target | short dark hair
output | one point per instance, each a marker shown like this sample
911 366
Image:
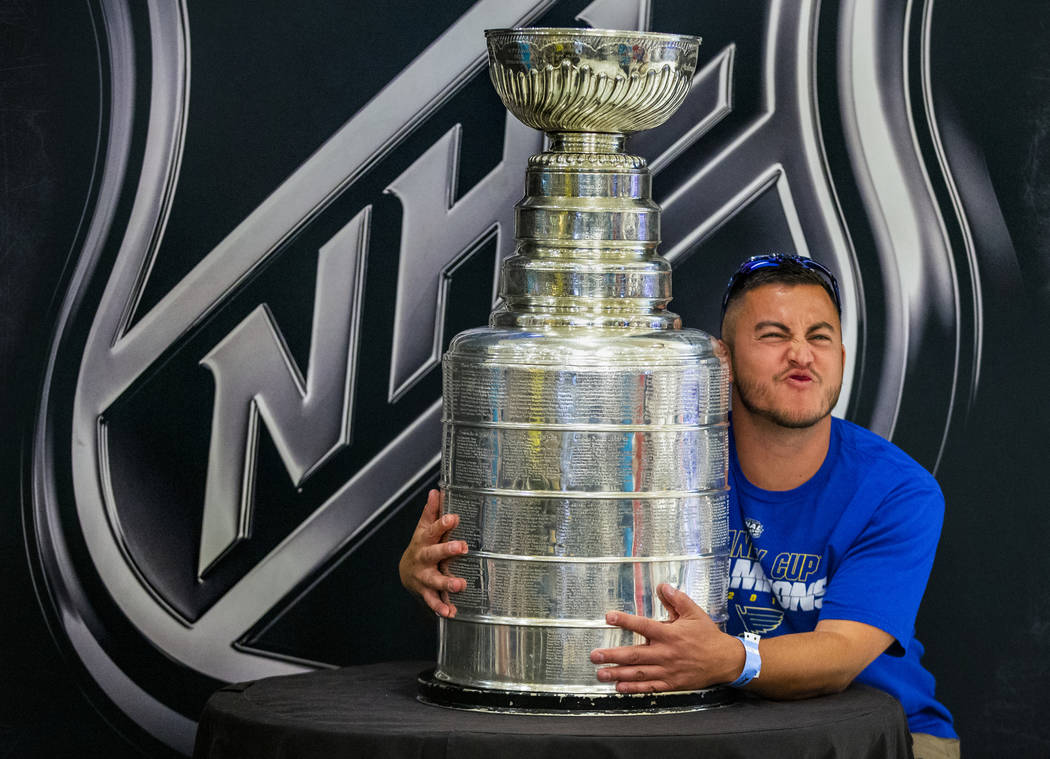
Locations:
780 269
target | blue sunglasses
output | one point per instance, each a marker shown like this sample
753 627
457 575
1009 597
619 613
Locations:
773 261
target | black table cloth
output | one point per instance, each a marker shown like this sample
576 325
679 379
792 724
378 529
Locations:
372 710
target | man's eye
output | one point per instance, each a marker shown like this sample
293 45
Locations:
823 338
773 336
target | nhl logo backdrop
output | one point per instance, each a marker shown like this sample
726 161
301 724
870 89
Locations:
290 211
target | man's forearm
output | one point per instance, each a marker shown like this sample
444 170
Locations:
826 660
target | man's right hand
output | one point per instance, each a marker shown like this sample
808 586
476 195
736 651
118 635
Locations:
420 563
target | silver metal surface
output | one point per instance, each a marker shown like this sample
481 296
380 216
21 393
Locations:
585 432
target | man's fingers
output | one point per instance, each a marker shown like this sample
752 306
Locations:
432 508
678 603
435 580
673 600
634 679
624 655
431 517
451 606
439 607
644 626
419 567
645 686
439 527
441 551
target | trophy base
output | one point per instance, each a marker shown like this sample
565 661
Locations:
450 695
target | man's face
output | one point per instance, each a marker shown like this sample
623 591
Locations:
787 354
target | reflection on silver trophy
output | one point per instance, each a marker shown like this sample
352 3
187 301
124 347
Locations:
585 432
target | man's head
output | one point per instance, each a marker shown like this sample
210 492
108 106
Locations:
780 320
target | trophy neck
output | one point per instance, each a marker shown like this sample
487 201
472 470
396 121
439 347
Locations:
586 142
587 232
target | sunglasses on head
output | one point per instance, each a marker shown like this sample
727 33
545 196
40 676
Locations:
774 261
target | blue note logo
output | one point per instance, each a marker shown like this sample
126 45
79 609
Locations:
759 619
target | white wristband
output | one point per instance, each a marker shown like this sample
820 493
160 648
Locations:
752 660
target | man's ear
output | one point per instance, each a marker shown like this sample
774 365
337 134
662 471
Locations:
723 352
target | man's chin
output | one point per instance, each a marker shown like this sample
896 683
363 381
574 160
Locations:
794 421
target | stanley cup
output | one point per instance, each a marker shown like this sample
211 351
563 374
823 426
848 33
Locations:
585 432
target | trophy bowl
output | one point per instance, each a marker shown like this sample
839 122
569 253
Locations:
591 80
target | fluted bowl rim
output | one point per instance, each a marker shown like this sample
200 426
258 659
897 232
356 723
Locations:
537 49
572 32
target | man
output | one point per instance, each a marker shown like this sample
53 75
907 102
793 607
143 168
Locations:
833 528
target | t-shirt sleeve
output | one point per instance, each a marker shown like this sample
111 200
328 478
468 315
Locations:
882 574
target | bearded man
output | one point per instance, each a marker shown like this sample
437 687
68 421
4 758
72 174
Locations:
833 529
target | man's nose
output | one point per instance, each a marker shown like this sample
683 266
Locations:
800 352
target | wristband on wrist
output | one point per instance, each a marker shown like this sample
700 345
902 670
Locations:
752 660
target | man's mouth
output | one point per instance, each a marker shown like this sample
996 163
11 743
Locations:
800 377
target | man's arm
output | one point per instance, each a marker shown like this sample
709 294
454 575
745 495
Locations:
419 567
690 652
826 660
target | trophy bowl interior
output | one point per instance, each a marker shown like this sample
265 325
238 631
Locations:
591 80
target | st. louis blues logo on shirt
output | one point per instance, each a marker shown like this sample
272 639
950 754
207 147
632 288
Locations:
759 619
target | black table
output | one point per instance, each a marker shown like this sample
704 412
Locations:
372 710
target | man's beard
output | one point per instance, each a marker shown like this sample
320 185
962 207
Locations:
753 398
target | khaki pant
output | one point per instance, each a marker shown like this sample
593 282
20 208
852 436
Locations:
926 746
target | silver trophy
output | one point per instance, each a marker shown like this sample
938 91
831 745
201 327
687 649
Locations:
585 432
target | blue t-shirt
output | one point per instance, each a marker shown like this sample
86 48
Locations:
855 542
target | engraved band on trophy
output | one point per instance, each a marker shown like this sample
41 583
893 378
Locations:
585 435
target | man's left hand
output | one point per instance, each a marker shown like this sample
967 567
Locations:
686 652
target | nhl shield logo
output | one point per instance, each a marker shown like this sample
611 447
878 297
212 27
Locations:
241 388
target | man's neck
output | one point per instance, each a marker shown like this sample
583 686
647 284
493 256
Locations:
774 457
